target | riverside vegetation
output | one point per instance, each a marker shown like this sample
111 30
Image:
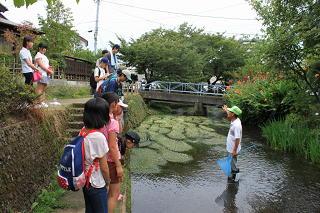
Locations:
171 139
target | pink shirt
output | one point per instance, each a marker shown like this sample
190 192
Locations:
113 126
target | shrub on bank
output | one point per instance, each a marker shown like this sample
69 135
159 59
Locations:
137 110
14 94
293 134
64 92
262 99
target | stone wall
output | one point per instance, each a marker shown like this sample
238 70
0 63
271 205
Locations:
29 153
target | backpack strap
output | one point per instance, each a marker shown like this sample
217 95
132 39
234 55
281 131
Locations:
85 132
95 165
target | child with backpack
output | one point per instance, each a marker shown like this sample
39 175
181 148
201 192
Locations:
99 75
95 116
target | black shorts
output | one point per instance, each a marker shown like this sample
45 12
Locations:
29 77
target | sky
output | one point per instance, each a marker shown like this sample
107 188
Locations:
131 21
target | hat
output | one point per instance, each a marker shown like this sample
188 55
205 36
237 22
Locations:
236 110
127 74
134 136
104 60
120 103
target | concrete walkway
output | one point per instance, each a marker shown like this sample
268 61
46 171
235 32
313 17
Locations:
67 102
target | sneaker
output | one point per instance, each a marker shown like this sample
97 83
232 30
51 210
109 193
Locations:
44 105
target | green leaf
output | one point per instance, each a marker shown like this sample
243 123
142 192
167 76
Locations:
19 3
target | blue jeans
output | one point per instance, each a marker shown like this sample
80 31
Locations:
234 167
96 199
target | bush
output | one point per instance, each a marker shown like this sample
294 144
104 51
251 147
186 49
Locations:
294 135
63 92
137 111
15 96
262 99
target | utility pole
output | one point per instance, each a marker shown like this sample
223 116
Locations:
97 27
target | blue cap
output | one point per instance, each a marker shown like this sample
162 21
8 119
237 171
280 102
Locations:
104 60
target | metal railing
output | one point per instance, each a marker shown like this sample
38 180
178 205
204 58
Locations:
185 88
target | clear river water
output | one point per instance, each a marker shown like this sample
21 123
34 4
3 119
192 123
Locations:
270 181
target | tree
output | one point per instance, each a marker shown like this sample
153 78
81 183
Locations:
16 39
59 30
186 54
293 34
20 3
222 56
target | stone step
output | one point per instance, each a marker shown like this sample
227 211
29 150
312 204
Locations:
76 117
78 105
76 110
73 132
75 124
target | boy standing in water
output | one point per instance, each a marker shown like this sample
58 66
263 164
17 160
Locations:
234 137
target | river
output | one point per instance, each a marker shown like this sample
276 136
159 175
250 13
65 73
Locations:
192 182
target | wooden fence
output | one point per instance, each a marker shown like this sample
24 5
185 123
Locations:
76 69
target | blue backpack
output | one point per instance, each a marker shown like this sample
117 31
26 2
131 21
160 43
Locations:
72 174
105 86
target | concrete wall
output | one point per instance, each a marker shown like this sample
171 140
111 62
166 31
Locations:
57 82
29 152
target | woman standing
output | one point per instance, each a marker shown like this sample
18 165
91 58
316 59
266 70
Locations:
42 62
26 60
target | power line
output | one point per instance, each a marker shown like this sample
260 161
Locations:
138 17
178 13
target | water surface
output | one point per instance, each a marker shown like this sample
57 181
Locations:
269 181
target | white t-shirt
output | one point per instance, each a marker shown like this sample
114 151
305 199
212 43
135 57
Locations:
45 62
96 74
98 62
96 146
25 54
235 132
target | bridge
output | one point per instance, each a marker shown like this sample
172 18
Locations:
198 94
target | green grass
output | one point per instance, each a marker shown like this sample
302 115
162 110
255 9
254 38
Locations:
49 198
296 138
66 92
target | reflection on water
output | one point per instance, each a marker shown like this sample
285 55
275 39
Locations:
228 197
269 182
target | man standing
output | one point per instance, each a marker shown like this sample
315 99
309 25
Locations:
234 137
114 66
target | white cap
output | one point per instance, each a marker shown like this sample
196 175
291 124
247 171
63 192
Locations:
120 103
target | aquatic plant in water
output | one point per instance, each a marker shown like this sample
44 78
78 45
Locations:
145 160
165 138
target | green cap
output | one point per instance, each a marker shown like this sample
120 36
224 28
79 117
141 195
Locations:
236 110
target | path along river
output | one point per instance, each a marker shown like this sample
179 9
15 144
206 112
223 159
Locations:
175 171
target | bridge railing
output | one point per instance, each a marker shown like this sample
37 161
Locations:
185 88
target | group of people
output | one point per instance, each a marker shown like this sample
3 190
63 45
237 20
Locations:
106 147
107 76
105 113
40 67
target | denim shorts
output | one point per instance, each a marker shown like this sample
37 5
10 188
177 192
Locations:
44 80
96 199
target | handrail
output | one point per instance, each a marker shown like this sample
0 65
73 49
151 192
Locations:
185 88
